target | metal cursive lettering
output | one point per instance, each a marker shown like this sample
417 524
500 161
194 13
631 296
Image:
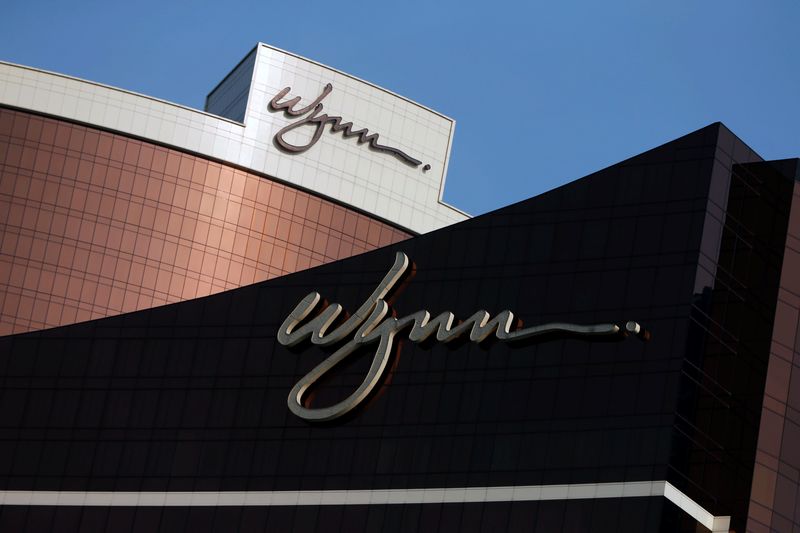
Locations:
318 120
371 323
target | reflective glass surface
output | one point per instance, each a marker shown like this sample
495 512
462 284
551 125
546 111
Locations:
95 224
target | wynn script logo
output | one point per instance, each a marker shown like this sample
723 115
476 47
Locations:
373 324
316 118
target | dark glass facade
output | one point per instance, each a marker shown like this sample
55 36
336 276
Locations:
94 224
696 240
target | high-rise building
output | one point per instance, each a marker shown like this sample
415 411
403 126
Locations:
112 201
618 354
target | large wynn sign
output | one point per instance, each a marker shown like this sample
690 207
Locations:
371 324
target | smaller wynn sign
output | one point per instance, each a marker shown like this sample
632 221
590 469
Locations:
315 117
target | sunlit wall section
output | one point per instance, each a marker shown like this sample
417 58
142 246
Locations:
94 224
243 129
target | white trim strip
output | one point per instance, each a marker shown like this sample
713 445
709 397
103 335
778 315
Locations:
578 491
714 523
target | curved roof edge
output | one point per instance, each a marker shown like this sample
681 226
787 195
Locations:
341 169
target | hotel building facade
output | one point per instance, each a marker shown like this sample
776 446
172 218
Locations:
262 316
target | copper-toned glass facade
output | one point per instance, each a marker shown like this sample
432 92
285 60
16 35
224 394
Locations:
95 224
775 496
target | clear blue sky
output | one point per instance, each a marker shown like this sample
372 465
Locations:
542 92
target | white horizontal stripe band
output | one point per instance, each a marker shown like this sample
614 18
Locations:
519 493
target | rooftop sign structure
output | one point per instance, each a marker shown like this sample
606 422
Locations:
240 127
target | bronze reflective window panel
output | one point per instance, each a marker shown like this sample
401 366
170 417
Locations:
94 224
